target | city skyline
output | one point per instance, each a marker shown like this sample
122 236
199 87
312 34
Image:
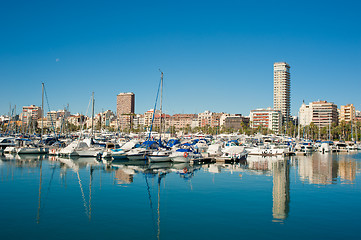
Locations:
217 57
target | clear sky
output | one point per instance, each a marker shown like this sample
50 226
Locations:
215 55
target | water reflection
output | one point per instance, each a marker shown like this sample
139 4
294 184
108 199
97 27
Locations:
325 169
75 164
281 189
279 169
315 169
347 170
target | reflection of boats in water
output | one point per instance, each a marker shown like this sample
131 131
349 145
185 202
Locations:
138 166
160 166
185 170
78 163
30 157
180 166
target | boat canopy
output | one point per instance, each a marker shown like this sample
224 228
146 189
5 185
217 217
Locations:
150 144
172 142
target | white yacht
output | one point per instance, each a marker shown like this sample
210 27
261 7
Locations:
7 143
29 147
161 155
141 152
325 147
215 150
185 154
81 148
120 153
234 153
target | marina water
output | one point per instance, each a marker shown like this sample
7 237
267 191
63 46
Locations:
300 197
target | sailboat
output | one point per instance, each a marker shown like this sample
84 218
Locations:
162 154
83 148
29 147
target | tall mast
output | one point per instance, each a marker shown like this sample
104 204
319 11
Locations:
42 110
298 131
15 126
10 116
329 127
92 134
351 130
355 131
161 111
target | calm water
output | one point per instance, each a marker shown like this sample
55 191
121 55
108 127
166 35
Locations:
308 197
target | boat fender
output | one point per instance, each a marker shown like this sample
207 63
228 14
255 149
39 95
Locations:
185 154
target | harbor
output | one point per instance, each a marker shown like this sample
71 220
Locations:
170 120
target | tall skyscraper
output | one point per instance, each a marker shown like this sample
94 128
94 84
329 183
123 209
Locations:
282 89
125 109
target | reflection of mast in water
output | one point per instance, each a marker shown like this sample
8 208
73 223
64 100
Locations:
82 194
87 206
158 222
75 165
160 176
90 192
39 197
281 190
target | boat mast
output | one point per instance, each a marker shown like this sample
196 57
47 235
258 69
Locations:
352 139
355 132
155 106
92 133
329 127
161 109
298 130
42 110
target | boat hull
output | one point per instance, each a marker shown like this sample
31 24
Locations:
27 150
159 158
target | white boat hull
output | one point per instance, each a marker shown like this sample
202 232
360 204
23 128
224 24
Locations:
159 158
30 150
184 157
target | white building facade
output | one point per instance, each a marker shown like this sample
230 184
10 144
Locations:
282 89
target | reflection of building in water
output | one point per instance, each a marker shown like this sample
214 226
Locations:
318 168
281 189
347 170
226 167
260 165
122 177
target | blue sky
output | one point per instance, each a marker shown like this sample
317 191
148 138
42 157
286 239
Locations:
215 55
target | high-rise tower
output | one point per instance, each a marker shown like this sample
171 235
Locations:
282 89
125 109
